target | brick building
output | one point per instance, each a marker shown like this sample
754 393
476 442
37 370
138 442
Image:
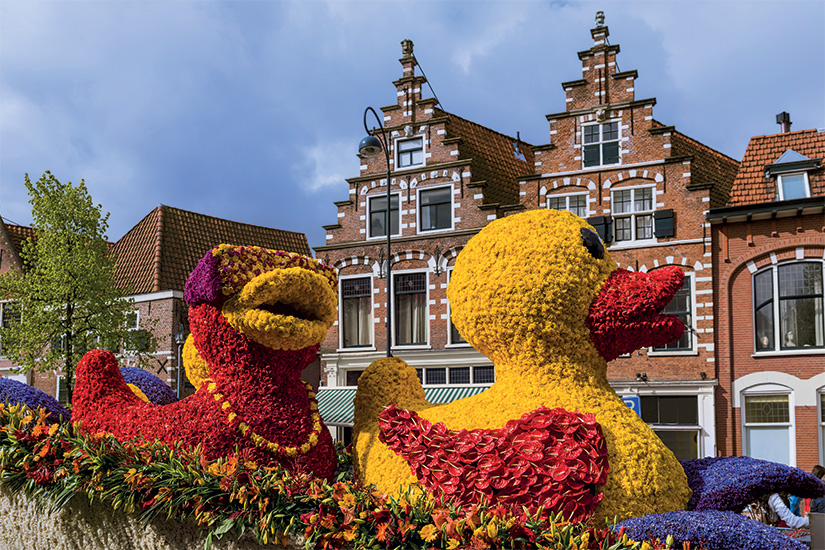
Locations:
768 252
645 186
154 259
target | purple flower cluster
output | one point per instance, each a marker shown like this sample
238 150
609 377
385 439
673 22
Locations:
204 283
732 482
153 387
14 392
713 530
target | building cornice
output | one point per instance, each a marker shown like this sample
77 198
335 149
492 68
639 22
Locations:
413 238
611 106
766 210
411 172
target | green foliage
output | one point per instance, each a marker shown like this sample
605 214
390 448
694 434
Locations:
66 294
232 496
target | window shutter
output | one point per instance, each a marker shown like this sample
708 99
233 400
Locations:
664 224
603 226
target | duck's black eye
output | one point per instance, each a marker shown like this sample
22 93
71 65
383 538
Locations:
592 243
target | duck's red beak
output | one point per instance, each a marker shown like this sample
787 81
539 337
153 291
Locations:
625 316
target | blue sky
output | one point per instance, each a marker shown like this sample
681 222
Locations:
252 110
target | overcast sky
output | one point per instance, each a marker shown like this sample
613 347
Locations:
252 110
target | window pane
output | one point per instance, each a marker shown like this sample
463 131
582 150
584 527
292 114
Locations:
483 375
764 327
623 229
356 320
455 336
578 205
353 376
591 133
683 443
643 200
459 375
793 187
768 444
621 202
410 144
676 410
800 279
610 131
644 227
378 212
436 196
591 155
610 153
801 322
436 376
557 203
765 409
355 288
411 308
763 287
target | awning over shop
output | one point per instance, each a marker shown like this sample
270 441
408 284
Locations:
337 409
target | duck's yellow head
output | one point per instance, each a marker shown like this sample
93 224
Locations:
540 284
282 300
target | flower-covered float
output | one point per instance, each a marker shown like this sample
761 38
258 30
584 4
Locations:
257 318
538 294
539 462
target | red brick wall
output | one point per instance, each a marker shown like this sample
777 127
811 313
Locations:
759 243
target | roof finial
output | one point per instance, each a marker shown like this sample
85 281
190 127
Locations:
407 47
600 18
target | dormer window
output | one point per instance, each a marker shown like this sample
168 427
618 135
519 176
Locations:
792 186
410 152
601 144
791 175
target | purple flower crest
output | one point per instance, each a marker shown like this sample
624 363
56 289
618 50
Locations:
732 482
14 392
204 283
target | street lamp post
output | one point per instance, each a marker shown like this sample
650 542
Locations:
370 146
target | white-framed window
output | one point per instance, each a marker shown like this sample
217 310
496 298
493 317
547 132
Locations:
682 306
633 214
61 390
351 377
601 144
435 208
439 376
9 314
768 425
377 217
788 307
575 203
454 338
356 312
792 186
409 152
675 419
410 305
821 416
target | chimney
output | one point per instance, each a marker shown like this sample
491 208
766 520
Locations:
784 120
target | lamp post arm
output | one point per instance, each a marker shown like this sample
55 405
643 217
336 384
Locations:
387 219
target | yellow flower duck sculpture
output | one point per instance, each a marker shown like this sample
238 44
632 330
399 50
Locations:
537 294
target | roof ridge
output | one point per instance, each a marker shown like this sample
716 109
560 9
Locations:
502 134
170 208
780 134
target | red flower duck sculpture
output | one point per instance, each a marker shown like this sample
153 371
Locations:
257 318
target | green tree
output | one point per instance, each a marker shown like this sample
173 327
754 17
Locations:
66 296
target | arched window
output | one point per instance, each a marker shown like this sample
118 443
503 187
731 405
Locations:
788 307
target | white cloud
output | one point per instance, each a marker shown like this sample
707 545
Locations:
327 164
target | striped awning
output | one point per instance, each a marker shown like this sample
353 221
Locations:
336 404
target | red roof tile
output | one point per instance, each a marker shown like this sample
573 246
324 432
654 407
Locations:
751 185
493 159
18 234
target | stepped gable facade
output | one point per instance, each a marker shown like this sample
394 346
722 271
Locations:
642 184
769 266
154 259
